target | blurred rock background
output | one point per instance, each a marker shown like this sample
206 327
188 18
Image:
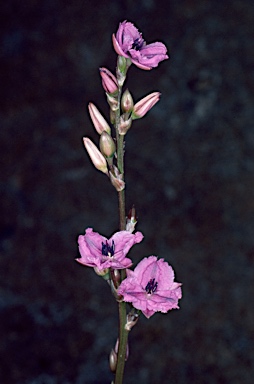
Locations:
189 171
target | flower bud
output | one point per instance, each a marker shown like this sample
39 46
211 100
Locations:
116 179
112 360
144 105
127 101
115 277
107 145
125 124
95 155
109 81
100 124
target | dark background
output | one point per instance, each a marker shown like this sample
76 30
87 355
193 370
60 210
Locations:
189 171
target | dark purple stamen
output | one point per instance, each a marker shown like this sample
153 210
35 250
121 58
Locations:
108 250
138 43
151 286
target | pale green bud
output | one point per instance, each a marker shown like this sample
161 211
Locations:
107 145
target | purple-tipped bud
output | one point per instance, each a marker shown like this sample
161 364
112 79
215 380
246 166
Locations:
107 145
95 155
127 101
131 220
144 105
100 124
116 179
125 124
109 81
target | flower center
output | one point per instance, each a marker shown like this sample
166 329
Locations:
138 43
108 250
151 286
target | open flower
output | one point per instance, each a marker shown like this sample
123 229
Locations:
99 252
151 287
129 43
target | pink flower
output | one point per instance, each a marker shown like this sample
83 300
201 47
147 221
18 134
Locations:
97 251
151 287
129 43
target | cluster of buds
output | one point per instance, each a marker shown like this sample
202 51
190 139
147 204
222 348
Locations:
122 112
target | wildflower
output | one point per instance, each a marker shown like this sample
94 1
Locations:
144 105
98 251
151 287
128 42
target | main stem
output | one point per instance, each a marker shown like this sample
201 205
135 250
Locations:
123 333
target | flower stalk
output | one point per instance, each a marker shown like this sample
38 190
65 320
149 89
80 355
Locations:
150 287
123 334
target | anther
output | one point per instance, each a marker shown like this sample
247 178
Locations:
151 286
108 250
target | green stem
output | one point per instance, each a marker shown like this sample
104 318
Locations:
123 339
123 333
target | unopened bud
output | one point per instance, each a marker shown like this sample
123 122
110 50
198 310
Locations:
109 81
144 105
100 124
112 360
127 101
125 124
95 155
116 277
116 179
107 145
